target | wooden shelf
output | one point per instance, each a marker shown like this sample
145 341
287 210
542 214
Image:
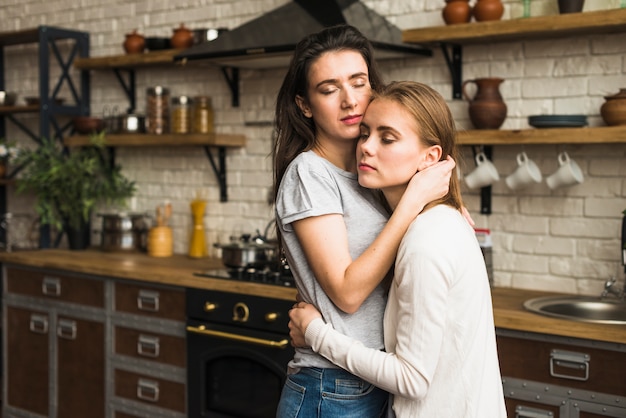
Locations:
546 27
128 61
596 135
178 140
8 110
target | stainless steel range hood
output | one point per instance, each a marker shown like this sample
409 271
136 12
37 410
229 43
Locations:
269 40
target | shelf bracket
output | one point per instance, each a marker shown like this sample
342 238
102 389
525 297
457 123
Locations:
231 74
219 169
129 87
453 54
485 192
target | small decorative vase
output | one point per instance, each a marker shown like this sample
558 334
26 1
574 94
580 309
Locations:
485 10
134 43
78 238
571 6
456 11
487 109
3 169
613 111
182 37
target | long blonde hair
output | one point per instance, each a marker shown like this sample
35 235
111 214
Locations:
434 123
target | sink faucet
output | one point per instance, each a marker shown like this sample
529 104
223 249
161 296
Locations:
611 288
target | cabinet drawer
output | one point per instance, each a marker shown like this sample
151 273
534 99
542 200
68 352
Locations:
150 390
56 286
150 346
581 367
150 301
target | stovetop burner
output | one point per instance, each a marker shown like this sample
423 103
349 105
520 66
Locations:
252 274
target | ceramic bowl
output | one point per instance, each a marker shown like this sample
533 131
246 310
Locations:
88 124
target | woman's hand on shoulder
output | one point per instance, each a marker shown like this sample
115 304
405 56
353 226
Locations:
300 317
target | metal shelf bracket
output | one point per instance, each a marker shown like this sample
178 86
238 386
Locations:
231 74
453 54
219 169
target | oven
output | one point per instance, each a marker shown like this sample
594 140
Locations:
237 353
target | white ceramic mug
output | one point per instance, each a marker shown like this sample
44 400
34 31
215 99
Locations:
568 173
526 173
485 173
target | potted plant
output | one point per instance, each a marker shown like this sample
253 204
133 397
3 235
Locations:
69 184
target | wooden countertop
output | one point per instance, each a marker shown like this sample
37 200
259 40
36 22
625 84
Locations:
178 270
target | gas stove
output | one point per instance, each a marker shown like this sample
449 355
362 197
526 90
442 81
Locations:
272 276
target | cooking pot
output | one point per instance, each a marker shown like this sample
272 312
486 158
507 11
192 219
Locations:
244 253
124 232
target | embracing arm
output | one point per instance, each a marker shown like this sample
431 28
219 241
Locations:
324 239
420 323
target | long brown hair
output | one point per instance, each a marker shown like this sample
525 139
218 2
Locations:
295 133
434 123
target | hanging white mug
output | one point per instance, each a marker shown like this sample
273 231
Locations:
526 173
485 173
568 173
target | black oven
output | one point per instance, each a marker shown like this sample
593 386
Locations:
237 354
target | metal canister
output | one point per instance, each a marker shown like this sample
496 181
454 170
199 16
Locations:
157 110
181 115
202 115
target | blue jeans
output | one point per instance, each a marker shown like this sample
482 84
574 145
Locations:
329 393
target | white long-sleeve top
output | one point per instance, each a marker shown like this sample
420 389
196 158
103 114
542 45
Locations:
441 357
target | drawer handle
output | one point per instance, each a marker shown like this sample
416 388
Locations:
51 286
526 412
148 390
67 329
38 324
148 300
148 346
569 360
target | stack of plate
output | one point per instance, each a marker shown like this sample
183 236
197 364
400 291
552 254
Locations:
557 121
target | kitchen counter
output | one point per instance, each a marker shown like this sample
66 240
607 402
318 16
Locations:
178 270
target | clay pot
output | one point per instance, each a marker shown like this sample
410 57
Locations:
571 6
485 10
134 43
487 109
182 37
613 111
456 11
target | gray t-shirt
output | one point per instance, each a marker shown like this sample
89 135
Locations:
312 186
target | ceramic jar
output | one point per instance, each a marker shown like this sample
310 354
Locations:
571 6
487 109
485 10
134 43
182 37
456 11
613 111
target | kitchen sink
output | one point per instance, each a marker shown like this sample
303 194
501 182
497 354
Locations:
580 308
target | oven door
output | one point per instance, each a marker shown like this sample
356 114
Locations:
234 372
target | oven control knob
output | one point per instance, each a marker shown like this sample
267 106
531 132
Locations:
209 306
271 317
241 312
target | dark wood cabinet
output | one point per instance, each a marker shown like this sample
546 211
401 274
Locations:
28 366
549 376
55 356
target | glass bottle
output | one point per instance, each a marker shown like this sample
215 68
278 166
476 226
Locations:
157 110
181 115
202 115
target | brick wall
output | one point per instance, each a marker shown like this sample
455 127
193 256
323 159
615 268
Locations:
564 240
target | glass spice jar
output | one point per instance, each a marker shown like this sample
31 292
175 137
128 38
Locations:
202 115
157 110
180 122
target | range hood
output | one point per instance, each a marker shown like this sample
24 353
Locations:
269 40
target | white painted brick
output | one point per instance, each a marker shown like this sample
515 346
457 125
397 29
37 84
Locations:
563 240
